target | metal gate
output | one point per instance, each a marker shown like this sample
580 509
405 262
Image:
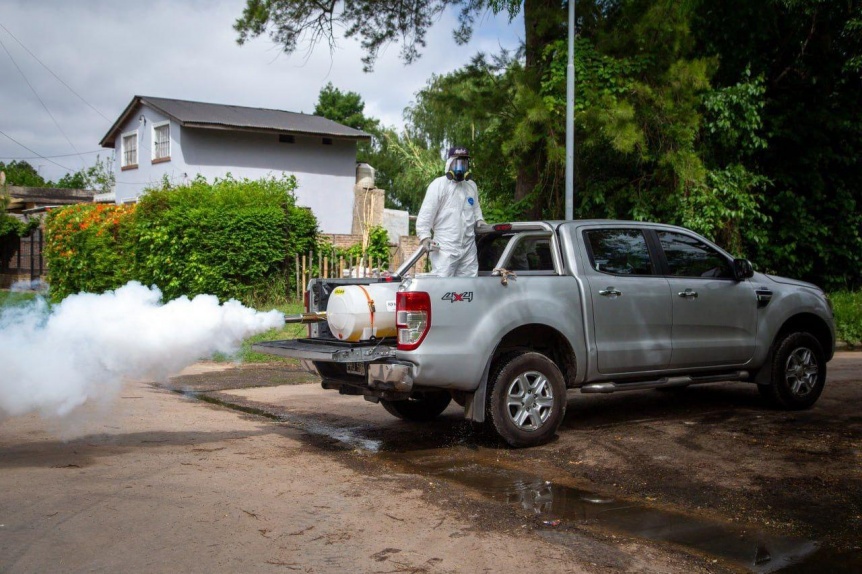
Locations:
22 256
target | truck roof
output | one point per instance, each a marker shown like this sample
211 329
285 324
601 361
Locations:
553 224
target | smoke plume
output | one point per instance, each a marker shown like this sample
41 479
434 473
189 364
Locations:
53 360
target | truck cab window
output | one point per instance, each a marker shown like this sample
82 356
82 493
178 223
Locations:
688 257
489 249
619 251
531 254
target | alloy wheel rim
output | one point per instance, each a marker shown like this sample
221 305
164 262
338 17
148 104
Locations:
801 371
529 400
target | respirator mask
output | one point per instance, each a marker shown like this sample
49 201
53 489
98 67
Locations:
459 170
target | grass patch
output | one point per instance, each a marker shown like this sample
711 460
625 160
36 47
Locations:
848 316
15 298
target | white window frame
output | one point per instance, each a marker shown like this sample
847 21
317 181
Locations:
166 157
123 137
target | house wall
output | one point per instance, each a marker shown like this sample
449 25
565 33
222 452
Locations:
325 173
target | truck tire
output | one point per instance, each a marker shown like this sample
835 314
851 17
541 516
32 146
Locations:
527 399
798 372
420 407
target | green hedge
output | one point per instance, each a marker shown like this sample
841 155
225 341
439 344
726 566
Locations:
228 238
85 250
848 316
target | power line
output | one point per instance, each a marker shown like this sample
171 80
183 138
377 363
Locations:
47 156
80 97
20 71
35 152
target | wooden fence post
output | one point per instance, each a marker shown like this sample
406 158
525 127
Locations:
296 271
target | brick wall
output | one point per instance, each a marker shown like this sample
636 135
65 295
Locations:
342 240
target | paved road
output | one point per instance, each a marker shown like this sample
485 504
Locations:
159 482
709 479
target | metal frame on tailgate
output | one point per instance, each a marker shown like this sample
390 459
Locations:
331 351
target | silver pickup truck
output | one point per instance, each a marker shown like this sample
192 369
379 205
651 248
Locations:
596 305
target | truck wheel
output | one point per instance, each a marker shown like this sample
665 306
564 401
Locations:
420 406
798 372
527 401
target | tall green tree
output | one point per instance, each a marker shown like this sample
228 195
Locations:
99 176
348 108
808 53
474 106
343 107
21 173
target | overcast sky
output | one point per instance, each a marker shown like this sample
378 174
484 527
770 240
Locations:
110 50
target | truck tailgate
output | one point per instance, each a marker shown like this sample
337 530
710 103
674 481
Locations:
329 350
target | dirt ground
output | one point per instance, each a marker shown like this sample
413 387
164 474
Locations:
257 468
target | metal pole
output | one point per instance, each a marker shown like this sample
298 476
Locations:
570 116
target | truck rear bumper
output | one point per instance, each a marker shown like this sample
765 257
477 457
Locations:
389 376
362 365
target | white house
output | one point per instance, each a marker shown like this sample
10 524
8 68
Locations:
158 137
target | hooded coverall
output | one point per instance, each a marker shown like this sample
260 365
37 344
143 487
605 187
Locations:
451 209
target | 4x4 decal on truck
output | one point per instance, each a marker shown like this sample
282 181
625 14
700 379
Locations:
457 297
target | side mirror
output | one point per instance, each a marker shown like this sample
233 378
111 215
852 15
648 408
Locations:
742 269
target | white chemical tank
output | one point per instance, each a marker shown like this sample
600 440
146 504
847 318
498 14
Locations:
359 312
365 176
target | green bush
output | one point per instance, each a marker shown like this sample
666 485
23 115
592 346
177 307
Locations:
230 238
848 316
11 225
377 252
85 249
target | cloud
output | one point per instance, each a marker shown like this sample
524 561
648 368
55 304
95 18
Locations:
109 51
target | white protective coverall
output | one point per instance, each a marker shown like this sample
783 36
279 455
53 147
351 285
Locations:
451 209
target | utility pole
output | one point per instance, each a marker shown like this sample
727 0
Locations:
570 116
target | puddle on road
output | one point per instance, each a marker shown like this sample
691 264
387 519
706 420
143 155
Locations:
347 436
755 551
556 505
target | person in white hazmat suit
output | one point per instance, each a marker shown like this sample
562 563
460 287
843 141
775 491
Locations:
451 211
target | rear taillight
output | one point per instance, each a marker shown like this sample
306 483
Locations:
306 302
412 318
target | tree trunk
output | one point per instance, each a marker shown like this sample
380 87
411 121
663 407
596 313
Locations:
542 19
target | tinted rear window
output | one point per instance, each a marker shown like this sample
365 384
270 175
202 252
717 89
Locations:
619 251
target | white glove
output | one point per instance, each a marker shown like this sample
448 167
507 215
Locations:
426 243
480 223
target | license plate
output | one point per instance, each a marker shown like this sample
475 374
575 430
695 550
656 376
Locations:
356 369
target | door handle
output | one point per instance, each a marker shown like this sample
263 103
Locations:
688 294
610 292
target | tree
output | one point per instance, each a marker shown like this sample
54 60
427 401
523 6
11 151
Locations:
99 176
343 107
22 174
377 23
348 108
808 53
474 106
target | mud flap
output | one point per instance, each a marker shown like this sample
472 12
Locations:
474 410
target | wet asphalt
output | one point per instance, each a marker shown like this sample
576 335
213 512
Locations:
711 471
